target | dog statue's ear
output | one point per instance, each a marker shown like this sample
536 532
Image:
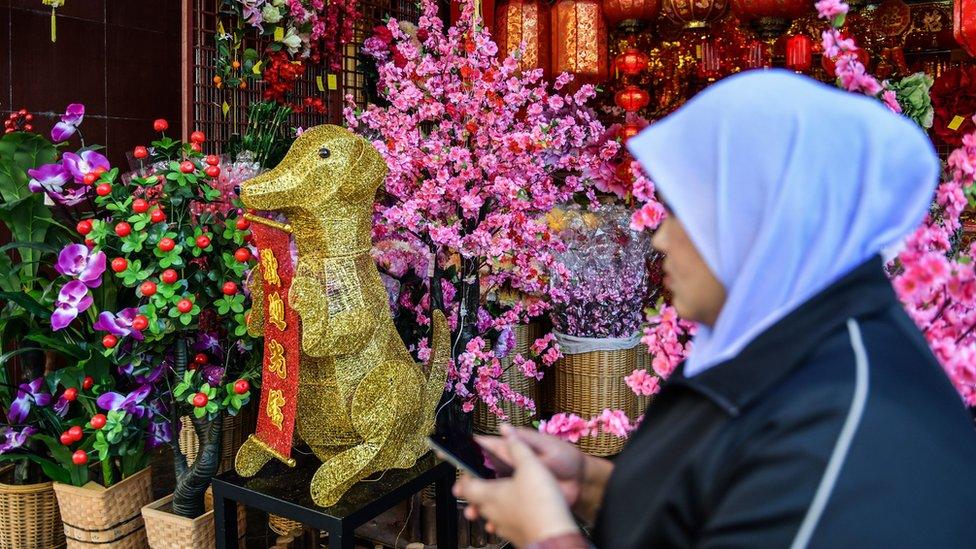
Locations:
365 176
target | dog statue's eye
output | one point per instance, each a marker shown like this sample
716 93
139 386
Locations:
324 152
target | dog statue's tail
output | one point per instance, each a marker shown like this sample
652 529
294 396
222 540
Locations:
440 356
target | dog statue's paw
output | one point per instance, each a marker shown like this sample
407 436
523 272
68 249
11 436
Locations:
251 457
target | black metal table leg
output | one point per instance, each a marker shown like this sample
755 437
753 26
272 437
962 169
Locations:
225 521
342 538
446 510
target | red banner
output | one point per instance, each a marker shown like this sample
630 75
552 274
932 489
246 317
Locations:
282 344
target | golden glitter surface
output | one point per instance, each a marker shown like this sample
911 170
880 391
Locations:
364 405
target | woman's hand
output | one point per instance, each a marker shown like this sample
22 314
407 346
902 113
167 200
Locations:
525 508
563 460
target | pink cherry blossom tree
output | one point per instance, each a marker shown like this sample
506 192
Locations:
478 151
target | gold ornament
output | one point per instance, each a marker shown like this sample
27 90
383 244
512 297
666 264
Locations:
364 405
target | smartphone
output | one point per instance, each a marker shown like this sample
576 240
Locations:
463 451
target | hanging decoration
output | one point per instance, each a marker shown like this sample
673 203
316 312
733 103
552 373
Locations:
55 4
524 23
694 14
756 55
799 53
709 61
890 22
954 100
632 98
579 40
627 14
770 18
631 62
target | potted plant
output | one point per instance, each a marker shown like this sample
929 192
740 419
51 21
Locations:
175 240
148 297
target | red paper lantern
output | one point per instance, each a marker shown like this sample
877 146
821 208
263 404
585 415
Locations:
631 62
964 24
709 62
694 14
770 18
799 53
628 12
579 40
632 98
629 130
755 56
524 22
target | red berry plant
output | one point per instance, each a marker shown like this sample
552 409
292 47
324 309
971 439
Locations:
173 240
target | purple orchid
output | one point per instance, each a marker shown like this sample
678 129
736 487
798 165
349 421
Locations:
13 439
61 406
77 261
51 180
160 433
72 117
27 393
207 341
81 164
119 325
143 375
73 299
130 404
213 375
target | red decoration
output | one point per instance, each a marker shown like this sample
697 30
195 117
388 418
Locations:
632 98
629 130
619 11
954 94
709 61
694 14
631 62
278 437
524 22
770 18
755 55
579 41
799 53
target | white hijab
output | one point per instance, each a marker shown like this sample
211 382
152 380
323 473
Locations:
784 185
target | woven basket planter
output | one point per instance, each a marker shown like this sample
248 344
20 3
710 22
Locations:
587 383
29 515
284 526
168 531
487 422
233 436
642 361
99 517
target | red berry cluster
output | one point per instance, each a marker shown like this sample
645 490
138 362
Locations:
19 121
280 77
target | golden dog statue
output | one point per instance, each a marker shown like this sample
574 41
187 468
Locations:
364 405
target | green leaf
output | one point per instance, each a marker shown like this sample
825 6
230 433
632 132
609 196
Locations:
199 412
27 220
64 348
28 303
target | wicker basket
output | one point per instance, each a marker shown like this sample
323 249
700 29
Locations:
587 383
168 531
234 435
284 526
642 361
487 422
29 515
99 517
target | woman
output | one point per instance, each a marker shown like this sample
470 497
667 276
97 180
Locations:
810 411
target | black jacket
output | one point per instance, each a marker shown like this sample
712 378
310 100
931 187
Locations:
834 428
